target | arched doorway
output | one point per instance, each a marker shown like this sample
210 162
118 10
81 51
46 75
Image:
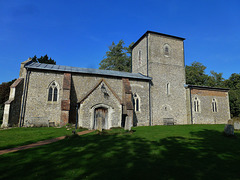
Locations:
100 118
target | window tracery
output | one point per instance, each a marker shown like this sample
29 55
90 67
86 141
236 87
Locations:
53 92
136 102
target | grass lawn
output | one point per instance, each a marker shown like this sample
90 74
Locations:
158 152
20 136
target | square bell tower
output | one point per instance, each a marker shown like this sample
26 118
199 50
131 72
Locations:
161 57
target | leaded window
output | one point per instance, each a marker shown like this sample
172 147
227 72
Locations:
136 102
53 92
196 105
214 105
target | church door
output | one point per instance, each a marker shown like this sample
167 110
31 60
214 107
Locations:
100 118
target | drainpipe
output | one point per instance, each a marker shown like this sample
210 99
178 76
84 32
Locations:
150 107
24 99
76 116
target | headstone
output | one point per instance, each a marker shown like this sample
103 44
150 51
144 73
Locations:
128 124
99 123
237 125
230 121
229 130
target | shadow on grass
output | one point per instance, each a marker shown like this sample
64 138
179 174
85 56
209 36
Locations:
207 155
27 136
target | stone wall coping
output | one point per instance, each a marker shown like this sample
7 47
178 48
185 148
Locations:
16 83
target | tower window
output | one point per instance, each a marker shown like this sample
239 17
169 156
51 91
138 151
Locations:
139 57
214 105
53 92
196 105
168 88
166 50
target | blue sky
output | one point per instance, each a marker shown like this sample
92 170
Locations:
78 33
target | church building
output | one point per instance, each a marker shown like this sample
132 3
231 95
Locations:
155 93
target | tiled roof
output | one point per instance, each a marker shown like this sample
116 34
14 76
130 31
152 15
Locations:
52 67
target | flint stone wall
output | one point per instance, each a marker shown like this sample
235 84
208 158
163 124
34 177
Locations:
37 104
141 118
206 114
164 69
97 99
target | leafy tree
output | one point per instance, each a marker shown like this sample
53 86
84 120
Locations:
233 83
215 80
118 58
195 74
43 59
4 95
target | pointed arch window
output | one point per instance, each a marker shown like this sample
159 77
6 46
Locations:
166 50
136 102
214 105
53 92
196 105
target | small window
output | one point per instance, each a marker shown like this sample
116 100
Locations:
214 105
136 102
196 105
166 49
168 88
139 57
53 92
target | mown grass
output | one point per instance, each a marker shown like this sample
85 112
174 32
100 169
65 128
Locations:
158 152
20 136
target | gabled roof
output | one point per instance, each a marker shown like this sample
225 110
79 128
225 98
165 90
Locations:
95 87
152 32
52 67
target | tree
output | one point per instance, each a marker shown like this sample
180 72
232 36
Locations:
118 58
43 59
215 80
195 74
233 83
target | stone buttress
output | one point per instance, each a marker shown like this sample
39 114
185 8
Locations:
65 103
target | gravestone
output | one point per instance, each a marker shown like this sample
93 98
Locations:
229 130
230 121
237 125
128 124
